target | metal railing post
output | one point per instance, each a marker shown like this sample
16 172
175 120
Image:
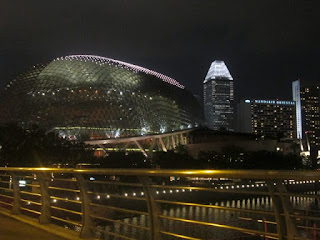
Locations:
153 210
87 223
45 215
16 208
286 226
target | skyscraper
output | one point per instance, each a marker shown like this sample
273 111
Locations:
307 99
218 97
273 118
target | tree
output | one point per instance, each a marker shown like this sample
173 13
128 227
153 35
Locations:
235 158
212 160
175 160
123 159
33 147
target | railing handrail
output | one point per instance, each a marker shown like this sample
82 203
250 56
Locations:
249 174
94 197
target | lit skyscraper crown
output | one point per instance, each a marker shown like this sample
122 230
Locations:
218 69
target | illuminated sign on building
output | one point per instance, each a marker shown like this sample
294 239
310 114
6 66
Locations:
275 102
270 102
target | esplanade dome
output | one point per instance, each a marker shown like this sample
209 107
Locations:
92 97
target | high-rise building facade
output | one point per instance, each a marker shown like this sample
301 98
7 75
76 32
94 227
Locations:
271 118
218 97
308 112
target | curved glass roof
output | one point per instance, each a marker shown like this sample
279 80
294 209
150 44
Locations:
103 60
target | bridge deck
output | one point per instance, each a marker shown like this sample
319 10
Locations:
11 229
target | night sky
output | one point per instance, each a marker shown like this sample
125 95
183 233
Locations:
266 44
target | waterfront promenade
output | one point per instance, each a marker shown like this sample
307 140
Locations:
12 229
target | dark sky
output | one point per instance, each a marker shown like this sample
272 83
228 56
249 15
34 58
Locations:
266 44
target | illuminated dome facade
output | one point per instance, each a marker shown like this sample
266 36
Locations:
91 97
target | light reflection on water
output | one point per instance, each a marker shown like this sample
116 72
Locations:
208 215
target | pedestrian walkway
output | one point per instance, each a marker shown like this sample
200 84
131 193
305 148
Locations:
11 229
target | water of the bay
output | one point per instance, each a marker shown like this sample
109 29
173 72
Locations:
211 215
